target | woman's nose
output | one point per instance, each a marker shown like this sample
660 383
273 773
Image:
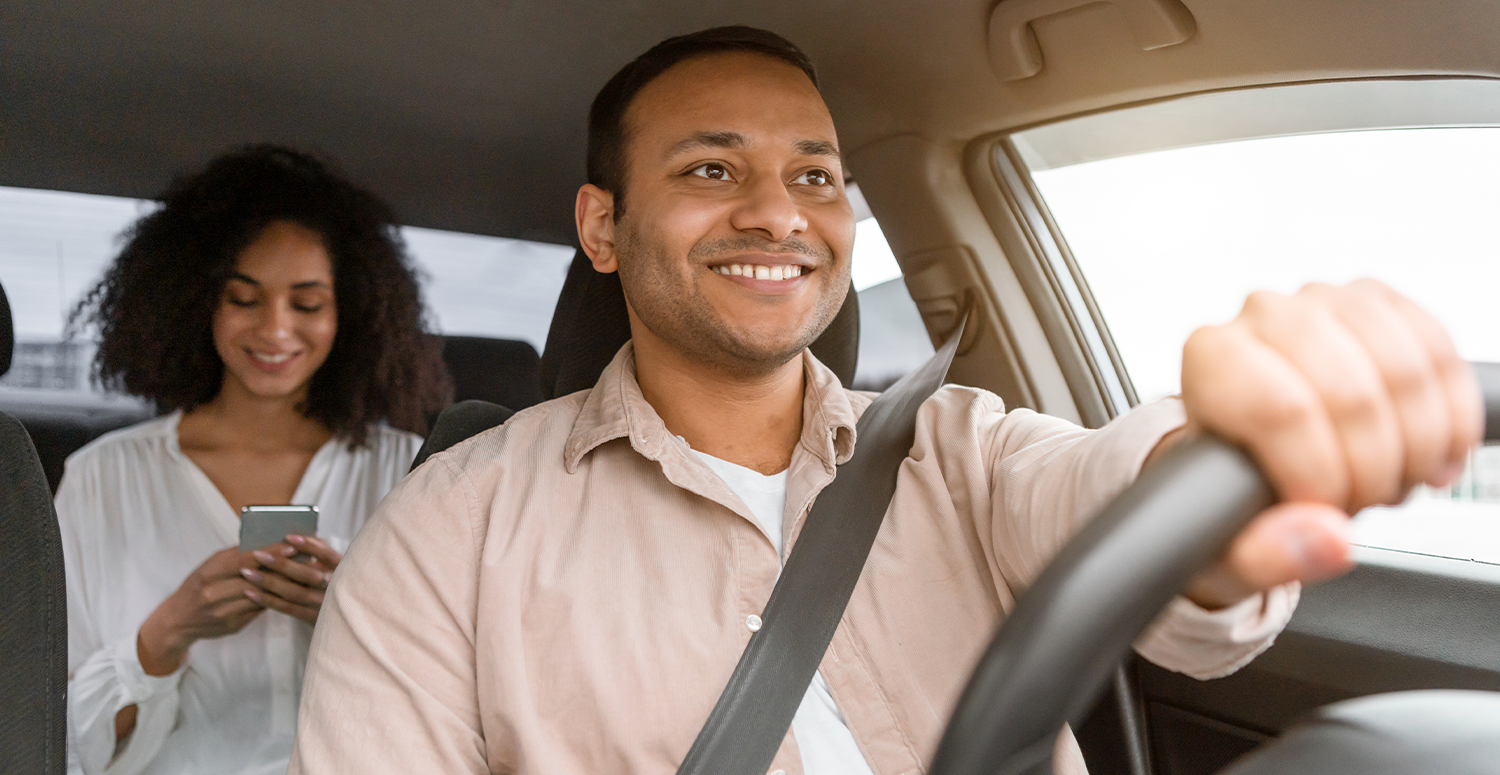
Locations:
276 322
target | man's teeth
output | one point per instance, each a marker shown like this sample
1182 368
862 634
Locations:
760 272
264 358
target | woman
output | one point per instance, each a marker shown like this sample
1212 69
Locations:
268 306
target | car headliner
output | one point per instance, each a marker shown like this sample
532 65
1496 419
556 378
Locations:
470 115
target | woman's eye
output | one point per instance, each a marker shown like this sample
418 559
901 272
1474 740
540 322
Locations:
712 171
307 307
815 178
241 302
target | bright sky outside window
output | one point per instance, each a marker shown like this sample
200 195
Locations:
1173 240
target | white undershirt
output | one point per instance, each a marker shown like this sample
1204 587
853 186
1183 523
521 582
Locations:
822 735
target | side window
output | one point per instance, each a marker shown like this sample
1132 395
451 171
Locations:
55 245
892 339
1175 238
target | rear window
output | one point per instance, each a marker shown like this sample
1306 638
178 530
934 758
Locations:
54 246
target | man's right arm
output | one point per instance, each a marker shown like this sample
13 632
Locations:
390 685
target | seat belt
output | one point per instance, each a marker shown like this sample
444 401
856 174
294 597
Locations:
747 725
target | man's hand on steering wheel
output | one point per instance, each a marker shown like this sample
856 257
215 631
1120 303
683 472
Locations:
1346 397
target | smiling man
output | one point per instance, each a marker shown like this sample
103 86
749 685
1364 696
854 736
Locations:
570 592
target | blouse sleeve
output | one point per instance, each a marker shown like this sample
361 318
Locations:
104 676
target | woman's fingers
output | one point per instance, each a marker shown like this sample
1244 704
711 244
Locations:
273 602
284 588
318 548
279 558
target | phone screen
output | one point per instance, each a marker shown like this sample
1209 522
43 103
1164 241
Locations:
261 526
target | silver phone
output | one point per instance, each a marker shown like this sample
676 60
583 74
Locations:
261 526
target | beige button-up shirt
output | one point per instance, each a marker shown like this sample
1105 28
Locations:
569 593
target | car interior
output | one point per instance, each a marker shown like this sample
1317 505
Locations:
959 121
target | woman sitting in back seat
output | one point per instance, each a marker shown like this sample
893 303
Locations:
270 307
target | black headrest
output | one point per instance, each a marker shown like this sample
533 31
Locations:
7 334
459 422
590 325
501 371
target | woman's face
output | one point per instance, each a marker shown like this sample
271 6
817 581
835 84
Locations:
277 319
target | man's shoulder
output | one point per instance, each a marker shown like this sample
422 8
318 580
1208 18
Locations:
537 433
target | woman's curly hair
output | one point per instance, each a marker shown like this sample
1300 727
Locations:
154 308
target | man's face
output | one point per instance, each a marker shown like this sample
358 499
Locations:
735 241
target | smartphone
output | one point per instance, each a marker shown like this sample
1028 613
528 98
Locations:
261 526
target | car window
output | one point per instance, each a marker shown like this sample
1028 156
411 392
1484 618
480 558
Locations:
1173 239
892 339
55 245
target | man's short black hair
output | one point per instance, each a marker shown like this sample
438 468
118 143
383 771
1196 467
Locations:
606 148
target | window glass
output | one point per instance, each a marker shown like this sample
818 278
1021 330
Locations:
1175 239
892 339
54 247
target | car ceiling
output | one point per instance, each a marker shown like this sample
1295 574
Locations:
469 115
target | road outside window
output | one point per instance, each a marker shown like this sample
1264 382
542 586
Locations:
1173 240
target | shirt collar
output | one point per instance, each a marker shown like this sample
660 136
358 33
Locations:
616 409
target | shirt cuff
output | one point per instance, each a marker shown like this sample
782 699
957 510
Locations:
1204 644
135 684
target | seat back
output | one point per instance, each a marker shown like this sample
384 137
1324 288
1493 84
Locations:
33 613
34 608
501 371
590 325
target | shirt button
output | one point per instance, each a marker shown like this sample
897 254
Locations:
752 623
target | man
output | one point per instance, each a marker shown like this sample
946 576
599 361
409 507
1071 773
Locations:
570 592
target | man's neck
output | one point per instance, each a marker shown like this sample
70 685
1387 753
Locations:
752 421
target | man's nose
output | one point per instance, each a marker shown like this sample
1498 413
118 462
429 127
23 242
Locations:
769 210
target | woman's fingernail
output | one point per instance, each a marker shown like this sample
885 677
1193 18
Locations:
296 539
288 551
253 595
250 574
264 557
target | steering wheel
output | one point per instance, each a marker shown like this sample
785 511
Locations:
1056 650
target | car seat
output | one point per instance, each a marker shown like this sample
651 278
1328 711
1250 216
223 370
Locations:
33 613
500 371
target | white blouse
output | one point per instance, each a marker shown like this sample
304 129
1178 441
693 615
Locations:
137 516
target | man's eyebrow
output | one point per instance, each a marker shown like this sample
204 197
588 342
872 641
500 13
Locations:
733 140
816 148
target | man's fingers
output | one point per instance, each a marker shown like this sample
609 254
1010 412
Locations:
1298 541
1347 380
1275 412
1464 403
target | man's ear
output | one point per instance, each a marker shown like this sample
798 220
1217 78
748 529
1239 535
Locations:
594 214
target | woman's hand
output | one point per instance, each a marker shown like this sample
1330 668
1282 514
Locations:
210 603
291 586
1346 397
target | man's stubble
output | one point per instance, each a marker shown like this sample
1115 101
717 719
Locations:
685 319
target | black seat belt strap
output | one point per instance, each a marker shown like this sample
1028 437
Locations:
747 725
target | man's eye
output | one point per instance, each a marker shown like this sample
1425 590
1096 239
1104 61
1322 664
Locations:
712 171
815 178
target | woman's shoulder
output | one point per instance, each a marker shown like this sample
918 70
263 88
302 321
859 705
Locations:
131 441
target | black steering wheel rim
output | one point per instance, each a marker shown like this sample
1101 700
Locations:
1057 648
